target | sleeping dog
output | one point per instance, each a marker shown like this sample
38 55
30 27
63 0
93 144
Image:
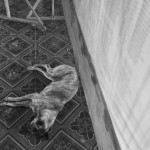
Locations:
49 102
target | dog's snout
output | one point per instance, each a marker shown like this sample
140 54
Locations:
39 124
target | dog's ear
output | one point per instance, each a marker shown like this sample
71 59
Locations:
46 136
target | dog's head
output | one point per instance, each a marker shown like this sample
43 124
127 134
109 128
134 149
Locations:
44 121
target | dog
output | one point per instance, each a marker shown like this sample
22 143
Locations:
51 100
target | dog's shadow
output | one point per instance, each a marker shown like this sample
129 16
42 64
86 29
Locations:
27 131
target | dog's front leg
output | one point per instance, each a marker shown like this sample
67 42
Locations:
38 65
46 74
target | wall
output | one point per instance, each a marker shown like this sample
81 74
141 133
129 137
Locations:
104 131
117 36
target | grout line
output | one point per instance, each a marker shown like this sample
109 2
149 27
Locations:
35 46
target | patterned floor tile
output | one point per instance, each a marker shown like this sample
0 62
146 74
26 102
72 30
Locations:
47 5
16 26
2 7
67 110
6 89
4 34
34 33
10 115
83 126
18 14
54 63
88 144
35 56
4 31
58 8
19 6
34 85
8 143
69 56
63 141
43 9
16 46
54 44
1 89
63 33
60 60
14 73
3 58
54 25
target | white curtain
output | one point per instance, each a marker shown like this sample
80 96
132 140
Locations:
117 33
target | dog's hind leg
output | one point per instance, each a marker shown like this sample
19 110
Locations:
18 101
22 98
25 103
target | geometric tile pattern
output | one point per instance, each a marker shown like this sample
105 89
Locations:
54 25
14 73
63 33
3 58
67 110
4 34
83 126
47 5
69 56
10 115
35 56
16 46
1 89
2 8
34 85
22 45
62 141
54 63
43 9
54 44
21 6
4 31
58 8
16 26
34 35
8 143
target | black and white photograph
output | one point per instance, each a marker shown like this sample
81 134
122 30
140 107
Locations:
74 74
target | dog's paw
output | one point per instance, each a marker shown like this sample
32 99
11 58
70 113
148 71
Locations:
30 67
9 99
6 104
33 67
2 104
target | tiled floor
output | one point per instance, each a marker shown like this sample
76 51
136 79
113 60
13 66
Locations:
22 45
